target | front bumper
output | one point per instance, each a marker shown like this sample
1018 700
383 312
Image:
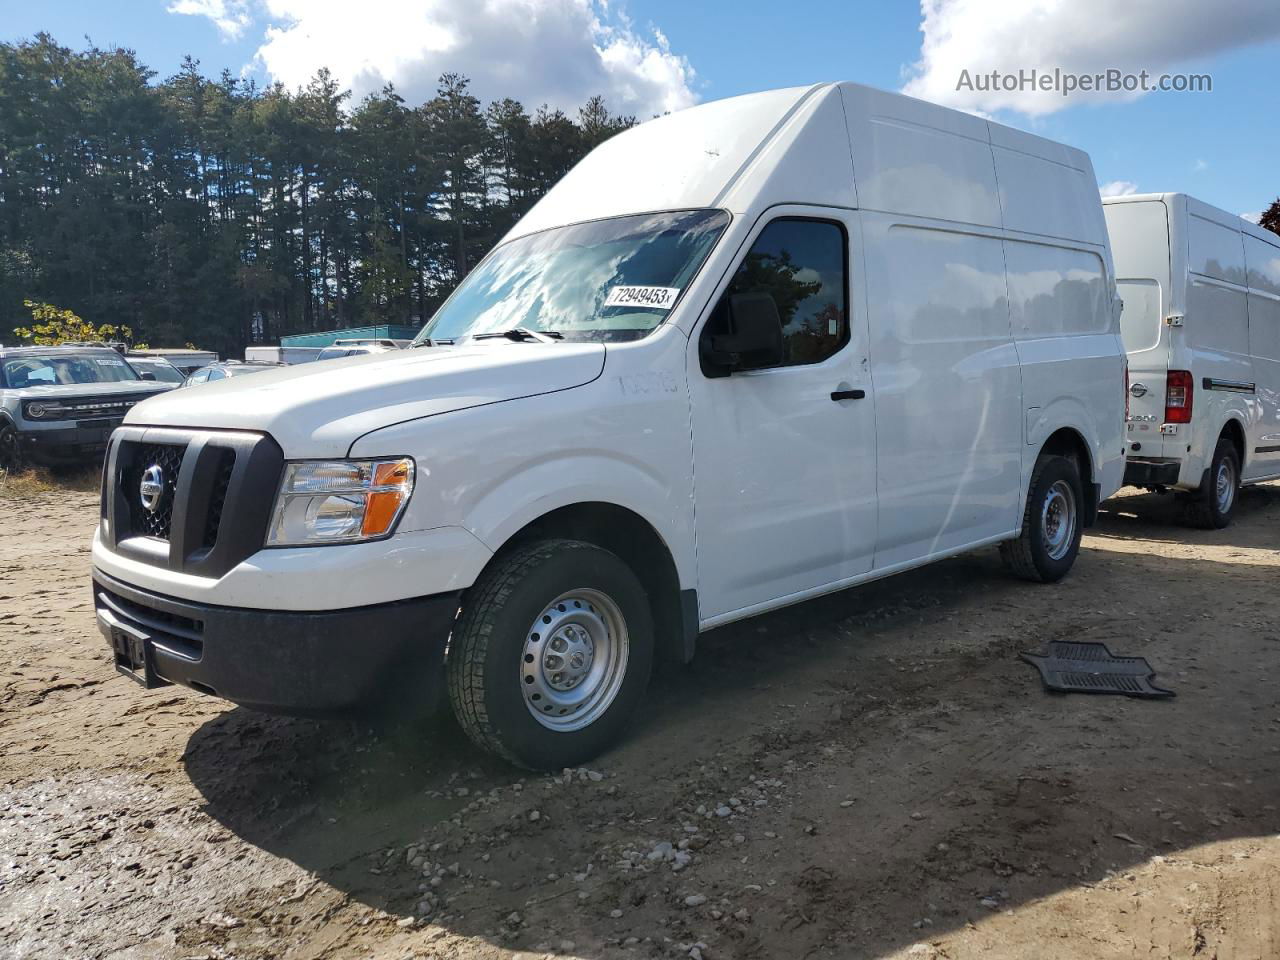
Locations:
1151 472
274 660
54 445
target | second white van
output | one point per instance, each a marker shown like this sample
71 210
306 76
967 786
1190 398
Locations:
742 355
1201 324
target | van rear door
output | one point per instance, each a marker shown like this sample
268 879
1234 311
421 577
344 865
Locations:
1140 245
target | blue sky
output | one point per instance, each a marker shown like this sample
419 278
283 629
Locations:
650 55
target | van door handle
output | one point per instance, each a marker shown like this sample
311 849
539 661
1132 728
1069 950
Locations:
848 394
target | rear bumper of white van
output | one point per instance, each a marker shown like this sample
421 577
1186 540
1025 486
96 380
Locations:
1151 472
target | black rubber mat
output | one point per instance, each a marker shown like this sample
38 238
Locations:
1086 667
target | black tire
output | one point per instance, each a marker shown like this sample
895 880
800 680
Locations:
489 659
1210 507
10 447
1034 555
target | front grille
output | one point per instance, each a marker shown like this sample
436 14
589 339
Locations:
218 489
218 498
157 522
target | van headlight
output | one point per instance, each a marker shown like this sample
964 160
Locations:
339 501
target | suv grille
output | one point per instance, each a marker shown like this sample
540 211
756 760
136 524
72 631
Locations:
88 408
153 523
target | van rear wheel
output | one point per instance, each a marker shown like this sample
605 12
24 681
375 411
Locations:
1214 505
1051 526
551 654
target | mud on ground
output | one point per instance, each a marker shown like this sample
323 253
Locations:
874 774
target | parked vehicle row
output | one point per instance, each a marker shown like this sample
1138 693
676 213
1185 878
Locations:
224 369
74 430
740 356
60 404
359 348
159 368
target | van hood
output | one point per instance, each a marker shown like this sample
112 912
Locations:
320 409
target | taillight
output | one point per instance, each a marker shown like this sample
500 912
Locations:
1126 392
1178 396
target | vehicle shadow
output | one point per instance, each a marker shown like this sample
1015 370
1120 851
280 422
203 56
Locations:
1137 515
923 671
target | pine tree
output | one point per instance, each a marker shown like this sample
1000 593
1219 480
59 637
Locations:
1270 219
215 212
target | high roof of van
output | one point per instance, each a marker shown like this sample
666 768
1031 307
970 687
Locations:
1184 201
803 145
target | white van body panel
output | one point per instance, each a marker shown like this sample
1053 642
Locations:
621 439
318 411
782 471
1201 294
720 154
763 489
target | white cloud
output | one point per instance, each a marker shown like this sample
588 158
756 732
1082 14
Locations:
1200 165
1118 188
558 52
231 17
1252 217
1079 36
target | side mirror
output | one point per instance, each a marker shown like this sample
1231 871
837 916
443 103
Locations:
146 376
756 337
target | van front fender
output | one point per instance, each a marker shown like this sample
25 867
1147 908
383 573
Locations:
569 478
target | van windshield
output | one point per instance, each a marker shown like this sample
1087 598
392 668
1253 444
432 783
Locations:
614 279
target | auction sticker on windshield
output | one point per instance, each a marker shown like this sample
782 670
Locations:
661 298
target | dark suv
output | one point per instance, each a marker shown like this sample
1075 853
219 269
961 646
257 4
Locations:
59 404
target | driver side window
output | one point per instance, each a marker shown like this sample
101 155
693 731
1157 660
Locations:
802 265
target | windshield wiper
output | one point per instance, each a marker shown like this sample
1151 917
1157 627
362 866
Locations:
429 342
522 335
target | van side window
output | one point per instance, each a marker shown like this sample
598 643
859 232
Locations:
802 264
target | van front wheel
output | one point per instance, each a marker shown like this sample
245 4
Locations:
1051 527
551 654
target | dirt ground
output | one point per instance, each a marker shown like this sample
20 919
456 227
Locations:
874 774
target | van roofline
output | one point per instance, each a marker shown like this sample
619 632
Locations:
1141 197
1207 210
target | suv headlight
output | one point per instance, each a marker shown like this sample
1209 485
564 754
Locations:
43 411
339 501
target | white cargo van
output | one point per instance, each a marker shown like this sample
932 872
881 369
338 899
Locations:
742 355
1201 324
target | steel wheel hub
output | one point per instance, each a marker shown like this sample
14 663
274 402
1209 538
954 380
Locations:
574 660
1225 486
1058 519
